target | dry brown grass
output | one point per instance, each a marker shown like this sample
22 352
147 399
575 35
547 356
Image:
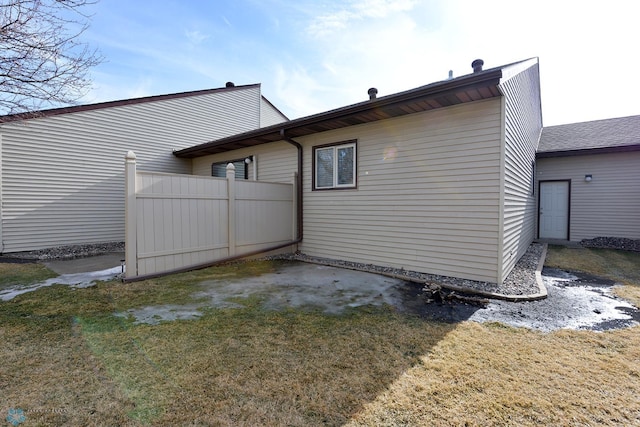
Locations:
68 361
490 375
622 266
23 274
48 371
493 375
250 367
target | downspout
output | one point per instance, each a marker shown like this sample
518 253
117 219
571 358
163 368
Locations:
299 183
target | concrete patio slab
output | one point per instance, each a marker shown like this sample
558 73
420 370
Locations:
84 265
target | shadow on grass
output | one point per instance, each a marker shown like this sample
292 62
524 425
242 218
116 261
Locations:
231 366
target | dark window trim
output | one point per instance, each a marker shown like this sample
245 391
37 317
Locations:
313 166
246 169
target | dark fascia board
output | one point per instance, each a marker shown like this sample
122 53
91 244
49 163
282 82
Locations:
118 103
272 133
588 151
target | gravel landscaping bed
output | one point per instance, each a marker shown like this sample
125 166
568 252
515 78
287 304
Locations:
612 243
68 252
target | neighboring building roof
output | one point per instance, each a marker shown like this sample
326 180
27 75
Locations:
275 108
119 103
610 135
471 87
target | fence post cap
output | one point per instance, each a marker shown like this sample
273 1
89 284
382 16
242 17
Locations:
231 167
130 155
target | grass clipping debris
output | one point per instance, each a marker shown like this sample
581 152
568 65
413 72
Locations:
68 361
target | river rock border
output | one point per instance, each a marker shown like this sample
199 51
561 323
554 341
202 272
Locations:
619 243
68 252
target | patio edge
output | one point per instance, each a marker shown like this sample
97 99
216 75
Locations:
541 294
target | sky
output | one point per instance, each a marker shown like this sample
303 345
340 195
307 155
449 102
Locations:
311 56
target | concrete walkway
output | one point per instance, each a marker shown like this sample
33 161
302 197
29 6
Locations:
85 265
560 242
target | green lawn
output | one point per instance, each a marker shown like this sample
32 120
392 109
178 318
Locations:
24 274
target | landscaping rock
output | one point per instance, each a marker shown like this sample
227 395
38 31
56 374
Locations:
68 252
619 243
521 280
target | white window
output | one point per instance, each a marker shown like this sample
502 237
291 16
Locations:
220 169
334 166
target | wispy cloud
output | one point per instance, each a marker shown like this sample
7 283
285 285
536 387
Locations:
195 36
313 56
106 88
300 90
344 15
382 8
375 43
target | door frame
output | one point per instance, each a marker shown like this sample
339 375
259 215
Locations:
568 181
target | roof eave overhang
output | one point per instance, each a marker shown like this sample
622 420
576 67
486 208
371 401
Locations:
588 151
463 89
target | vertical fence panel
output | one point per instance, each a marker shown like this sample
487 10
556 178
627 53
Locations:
130 216
178 221
264 215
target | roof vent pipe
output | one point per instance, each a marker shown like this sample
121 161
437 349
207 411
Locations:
372 93
477 65
450 74
230 84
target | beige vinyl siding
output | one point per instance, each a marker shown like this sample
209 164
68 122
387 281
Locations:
522 127
269 115
609 205
276 162
62 176
427 196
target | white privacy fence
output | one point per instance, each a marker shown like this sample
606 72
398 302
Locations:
174 222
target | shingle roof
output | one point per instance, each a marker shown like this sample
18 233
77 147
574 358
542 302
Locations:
471 87
622 133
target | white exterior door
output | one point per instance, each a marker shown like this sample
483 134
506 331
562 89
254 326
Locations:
554 210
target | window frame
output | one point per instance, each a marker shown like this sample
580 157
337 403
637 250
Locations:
225 163
335 146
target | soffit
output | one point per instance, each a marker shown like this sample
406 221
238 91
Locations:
473 87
